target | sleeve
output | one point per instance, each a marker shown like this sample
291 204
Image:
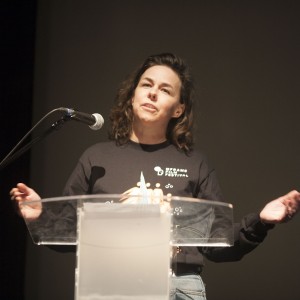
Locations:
248 234
78 182
208 186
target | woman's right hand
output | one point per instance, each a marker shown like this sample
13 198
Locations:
22 194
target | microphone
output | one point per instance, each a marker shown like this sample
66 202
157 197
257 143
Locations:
95 121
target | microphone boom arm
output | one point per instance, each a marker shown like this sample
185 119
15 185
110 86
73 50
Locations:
13 155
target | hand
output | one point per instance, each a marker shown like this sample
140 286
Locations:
154 196
281 209
134 195
22 194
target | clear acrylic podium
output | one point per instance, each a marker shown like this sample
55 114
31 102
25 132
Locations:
124 250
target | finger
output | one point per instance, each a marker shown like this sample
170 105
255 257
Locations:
12 193
135 191
130 200
292 204
123 197
158 195
23 188
292 200
18 191
15 194
129 191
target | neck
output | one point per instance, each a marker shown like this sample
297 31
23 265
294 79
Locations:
147 136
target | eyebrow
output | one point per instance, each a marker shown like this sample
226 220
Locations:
162 84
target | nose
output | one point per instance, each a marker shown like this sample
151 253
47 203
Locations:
153 94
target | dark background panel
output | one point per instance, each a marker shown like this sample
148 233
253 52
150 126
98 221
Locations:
17 39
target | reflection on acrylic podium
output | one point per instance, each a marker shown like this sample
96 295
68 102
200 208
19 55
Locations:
124 250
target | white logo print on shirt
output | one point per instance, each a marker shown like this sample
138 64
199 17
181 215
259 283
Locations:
171 172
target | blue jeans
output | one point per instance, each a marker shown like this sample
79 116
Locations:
187 287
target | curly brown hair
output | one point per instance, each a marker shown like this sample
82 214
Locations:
179 131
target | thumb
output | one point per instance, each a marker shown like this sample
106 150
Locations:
23 188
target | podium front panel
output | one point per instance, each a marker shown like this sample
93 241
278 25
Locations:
123 252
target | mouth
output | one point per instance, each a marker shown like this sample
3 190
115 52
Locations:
149 107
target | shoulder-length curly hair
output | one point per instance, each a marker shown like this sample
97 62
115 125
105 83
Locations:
179 131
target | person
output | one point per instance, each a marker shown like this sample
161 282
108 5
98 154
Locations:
151 132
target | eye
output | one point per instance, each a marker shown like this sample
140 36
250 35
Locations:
166 91
146 84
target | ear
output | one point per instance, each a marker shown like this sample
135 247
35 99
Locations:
179 111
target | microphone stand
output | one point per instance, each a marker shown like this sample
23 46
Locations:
13 155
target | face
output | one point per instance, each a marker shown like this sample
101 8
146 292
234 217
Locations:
156 97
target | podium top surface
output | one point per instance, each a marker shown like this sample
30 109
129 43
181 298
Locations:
194 222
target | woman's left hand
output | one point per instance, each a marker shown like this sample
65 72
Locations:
281 209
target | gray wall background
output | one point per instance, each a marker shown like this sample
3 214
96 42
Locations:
244 56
